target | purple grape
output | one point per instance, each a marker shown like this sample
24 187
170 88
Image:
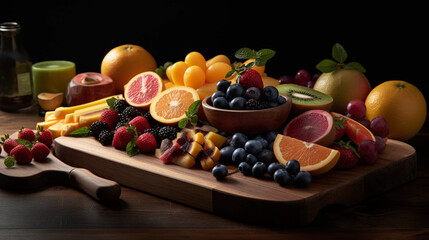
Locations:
302 77
379 127
252 93
364 121
313 80
367 151
356 108
286 79
380 144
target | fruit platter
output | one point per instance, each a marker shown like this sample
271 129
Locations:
228 139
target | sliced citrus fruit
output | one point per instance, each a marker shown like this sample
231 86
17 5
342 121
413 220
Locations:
316 126
218 58
313 158
170 106
355 131
142 88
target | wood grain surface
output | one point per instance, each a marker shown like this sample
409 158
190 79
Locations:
238 194
60 212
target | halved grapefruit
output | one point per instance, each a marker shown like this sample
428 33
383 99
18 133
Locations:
312 157
315 126
142 88
355 131
169 106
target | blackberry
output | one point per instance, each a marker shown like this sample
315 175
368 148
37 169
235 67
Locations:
105 137
149 118
120 105
98 126
169 132
253 104
131 112
121 123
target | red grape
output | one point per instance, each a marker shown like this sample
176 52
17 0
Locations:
379 127
380 144
286 79
367 151
356 108
302 77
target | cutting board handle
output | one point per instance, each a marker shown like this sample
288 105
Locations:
99 188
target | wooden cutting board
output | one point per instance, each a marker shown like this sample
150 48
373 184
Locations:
247 199
52 171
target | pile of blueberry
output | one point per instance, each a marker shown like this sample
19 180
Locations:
255 157
236 97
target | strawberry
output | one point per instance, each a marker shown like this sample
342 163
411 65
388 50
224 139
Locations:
140 123
39 151
21 154
122 137
111 117
251 78
146 142
26 134
348 155
340 127
44 136
8 143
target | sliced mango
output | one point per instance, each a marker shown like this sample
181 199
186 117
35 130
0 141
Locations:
61 128
217 139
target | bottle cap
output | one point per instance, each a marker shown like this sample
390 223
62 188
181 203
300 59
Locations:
10 27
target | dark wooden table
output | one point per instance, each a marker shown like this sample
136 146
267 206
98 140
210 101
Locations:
60 212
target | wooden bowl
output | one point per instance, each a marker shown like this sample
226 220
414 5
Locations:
247 121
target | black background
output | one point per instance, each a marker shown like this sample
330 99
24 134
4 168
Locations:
388 40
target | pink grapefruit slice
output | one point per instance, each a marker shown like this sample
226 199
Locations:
142 89
313 126
355 131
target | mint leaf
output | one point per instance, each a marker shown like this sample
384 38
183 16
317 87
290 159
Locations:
111 103
327 65
24 142
161 70
339 53
183 123
81 132
132 148
193 108
263 55
9 161
356 66
245 53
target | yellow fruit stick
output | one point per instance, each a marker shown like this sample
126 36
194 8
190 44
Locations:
61 112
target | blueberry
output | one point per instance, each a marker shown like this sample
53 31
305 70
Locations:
251 159
292 167
281 100
273 104
238 156
302 179
282 177
217 94
263 141
270 146
273 167
270 94
252 93
259 169
253 146
271 136
221 102
245 168
233 91
238 140
226 154
266 156
238 103
220 171
223 85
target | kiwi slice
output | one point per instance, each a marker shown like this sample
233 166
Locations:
304 98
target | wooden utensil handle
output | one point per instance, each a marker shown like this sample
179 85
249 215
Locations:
99 188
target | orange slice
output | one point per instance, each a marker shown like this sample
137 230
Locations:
355 131
170 106
142 88
312 157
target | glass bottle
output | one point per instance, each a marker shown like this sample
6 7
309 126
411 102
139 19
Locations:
15 70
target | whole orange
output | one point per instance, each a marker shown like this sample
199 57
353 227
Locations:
124 62
401 104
